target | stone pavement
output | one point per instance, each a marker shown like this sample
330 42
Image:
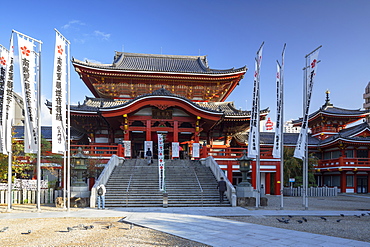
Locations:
199 224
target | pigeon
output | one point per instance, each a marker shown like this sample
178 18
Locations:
358 216
290 216
342 215
299 221
286 221
303 218
281 221
368 213
338 220
29 232
69 229
131 226
363 214
88 227
323 218
4 229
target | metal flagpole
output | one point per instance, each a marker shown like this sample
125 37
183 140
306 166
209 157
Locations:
9 193
304 112
258 166
282 131
39 132
69 130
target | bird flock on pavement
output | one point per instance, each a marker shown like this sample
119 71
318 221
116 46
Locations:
303 219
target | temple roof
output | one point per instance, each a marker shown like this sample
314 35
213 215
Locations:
350 135
125 61
267 138
94 105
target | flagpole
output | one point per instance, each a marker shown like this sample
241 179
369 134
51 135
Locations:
258 165
282 131
9 193
69 129
39 132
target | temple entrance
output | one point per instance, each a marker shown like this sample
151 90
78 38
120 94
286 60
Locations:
362 185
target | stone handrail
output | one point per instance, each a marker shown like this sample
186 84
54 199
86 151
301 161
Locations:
104 176
218 173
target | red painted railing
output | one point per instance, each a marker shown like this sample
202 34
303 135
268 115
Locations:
99 150
346 162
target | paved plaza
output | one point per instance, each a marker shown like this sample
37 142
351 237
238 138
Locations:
204 225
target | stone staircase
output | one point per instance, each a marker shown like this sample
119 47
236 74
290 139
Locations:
188 183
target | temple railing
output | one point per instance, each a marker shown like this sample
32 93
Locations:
104 176
344 162
218 173
99 150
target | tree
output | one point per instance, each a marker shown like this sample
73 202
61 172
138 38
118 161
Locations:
293 167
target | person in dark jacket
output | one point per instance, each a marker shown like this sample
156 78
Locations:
149 156
221 186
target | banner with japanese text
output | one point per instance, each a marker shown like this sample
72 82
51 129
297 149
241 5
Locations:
276 151
175 149
161 162
4 54
8 105
300 150
253 138
58 112
27 64
196 149
127 147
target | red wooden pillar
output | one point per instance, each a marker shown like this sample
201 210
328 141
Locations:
267 183
253 175
277 181
343 182
230 170
126 135
148 131
355 182
175 131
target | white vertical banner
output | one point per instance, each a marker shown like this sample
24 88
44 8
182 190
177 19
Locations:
300 149
27 64
59 95
127 147
196 148
276 151
4 54
161 162
148 144
175 150
253 138
8 106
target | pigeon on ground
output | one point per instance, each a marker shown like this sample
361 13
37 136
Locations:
303 218
4 229
69 229
286 221
131 226
338 220
290 216
323 218
342 215
363 214
29 232
299 221
281 221
358 216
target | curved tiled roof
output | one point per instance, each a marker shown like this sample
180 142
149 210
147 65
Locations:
98 104
332 110
124 61
348 134
290 139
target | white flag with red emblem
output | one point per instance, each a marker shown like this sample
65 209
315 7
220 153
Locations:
300 150
8 105
58 112
4 54
254 138
27 64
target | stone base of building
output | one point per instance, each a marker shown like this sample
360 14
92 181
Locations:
251 201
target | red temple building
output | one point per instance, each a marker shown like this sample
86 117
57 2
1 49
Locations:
138 96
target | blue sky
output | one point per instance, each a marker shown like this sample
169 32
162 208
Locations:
228 32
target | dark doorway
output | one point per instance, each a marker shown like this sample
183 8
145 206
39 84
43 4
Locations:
362 185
